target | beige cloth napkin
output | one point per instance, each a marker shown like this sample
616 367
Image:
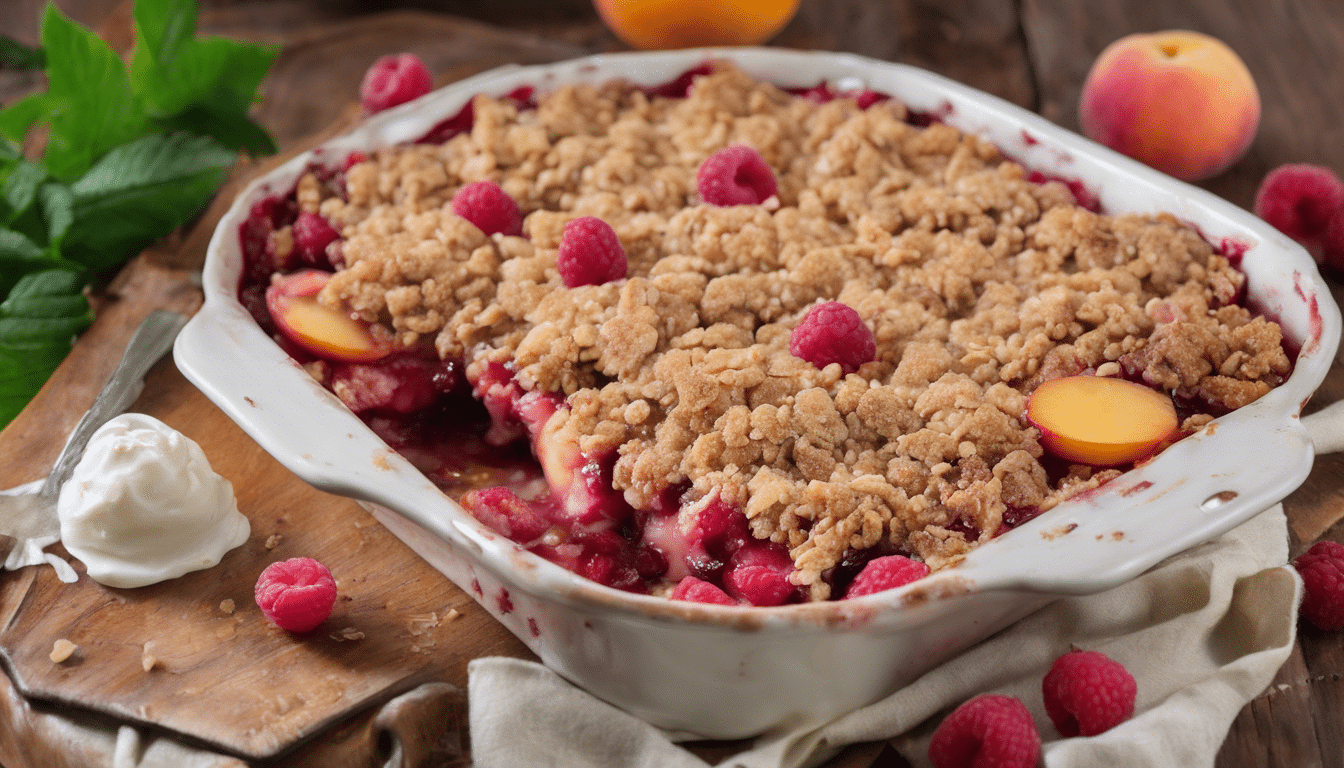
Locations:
1203 633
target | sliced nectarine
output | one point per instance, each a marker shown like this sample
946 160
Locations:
1101 421
327 333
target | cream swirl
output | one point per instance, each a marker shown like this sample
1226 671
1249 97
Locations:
143 505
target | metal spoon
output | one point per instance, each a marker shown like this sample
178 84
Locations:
28 515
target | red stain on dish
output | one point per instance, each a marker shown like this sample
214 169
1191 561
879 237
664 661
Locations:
923 119
1234 249
1314 323
503 601
533 628
1063 530
1028 139
1136 488
1084 196
476 587
251 402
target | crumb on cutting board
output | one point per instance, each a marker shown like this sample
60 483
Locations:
61 650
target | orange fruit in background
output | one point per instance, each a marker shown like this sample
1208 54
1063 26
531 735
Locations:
662 24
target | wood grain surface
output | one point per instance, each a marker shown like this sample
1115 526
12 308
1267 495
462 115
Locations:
1032 52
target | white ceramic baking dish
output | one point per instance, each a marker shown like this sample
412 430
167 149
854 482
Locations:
732 672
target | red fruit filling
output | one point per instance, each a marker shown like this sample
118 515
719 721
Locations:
312 235
584 524
883 573
696 590
735 175
399 383
822 93
394 79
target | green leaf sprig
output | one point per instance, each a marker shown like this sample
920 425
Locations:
131 154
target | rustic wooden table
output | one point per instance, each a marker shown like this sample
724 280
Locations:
1032 52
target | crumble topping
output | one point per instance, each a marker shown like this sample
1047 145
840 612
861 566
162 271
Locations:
977 284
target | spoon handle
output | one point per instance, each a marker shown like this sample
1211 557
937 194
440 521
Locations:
153 338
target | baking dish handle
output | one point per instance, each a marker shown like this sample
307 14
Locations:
1326 428
1198 489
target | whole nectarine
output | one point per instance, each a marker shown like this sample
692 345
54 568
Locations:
1182 102
660 24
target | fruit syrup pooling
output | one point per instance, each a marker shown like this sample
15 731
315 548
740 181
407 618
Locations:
468 436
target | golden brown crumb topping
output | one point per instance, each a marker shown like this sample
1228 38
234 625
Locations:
977 283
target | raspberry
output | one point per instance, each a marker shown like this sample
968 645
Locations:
697 591
1300 200
487 206
883 573
296 594
735 175
1087 693
1322 569
312 235
590 253
393 80
833 333
1332 244
986 732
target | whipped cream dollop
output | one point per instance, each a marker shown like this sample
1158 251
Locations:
143 505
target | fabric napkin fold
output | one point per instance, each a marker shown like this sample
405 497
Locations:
1203 633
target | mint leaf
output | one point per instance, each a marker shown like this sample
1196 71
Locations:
140 192
92 107
19 255
19 181
58 210
16 55
17 118
38 324
203 85
230 128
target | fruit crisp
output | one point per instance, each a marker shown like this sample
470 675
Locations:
680 436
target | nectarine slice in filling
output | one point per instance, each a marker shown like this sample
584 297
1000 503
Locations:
1101 421
292 301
